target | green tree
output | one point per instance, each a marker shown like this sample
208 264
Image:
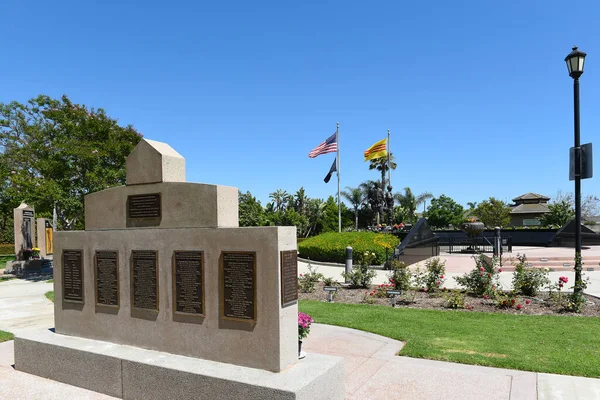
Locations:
251 213
560 213
356 198
443 212
409 202
493 212
300 199
53 151
280 199
383 165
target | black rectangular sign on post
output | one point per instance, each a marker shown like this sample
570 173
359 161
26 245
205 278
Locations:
587 163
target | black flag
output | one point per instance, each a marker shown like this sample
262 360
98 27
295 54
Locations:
331 170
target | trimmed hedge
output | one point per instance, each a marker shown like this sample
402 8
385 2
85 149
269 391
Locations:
331 247
7 248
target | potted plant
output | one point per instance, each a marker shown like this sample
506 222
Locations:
35 253
304 322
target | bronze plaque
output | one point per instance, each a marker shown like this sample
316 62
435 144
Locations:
239 286
143 206
289 277
107 278
188 268
72 275
144 279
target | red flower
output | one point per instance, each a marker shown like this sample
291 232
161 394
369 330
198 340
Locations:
442 277
489 275
444 288
527 301
300 274
481 274
499 269
519 306
486 297
513 301
503 302
481 269
560 285
371 294
438 283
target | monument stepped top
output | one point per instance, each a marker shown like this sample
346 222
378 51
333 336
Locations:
154 162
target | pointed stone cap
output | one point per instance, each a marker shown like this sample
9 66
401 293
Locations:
154 162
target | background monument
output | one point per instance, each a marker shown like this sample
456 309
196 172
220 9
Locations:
165 294
24 223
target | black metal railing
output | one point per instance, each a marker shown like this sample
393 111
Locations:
480 244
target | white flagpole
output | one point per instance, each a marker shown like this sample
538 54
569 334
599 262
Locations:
337 138
389 151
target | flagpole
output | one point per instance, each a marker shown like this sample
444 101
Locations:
389 151
337 136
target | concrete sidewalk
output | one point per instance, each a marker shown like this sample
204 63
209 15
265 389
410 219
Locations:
373 371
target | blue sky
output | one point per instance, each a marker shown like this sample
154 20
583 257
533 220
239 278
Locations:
476 93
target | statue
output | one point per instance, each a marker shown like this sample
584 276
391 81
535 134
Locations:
26 231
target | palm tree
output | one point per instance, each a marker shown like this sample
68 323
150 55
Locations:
280 198
300 200
381 164
315 208
422 199
410 202
356 197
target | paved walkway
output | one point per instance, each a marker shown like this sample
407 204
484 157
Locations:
373 371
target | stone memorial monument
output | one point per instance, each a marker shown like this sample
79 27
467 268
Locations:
165 296
44 237
24 222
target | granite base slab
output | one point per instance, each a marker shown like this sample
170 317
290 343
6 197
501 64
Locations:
129 372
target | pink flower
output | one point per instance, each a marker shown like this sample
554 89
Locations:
481 269
560 285
527 301
438 283
486 297
424 289
300 274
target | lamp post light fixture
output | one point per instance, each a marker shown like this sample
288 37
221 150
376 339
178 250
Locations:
575 61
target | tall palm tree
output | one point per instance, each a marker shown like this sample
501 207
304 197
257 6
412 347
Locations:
315 208
382 165
410 202
300 199
356 197
422 199
280 198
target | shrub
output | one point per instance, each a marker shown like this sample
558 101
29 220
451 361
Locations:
308 281
400 276
483 279
329 281
331 246
528 280
507 300
381 291
369 297
7 248
361 275
454 299
433 276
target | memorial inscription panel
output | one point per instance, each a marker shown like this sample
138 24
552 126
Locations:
289 277
239 286
107 278
144 279
188 290
72 275
143 206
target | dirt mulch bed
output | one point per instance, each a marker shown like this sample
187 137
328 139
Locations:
539 305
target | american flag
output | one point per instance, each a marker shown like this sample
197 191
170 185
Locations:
328 146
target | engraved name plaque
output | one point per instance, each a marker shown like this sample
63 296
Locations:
289 277
107 278
72 275
188 267
143 206
144 279
239 286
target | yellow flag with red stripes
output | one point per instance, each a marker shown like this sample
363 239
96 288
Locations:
378 150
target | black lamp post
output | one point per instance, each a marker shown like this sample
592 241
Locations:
574 62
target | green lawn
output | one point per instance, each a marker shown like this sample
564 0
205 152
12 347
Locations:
4 259
6 278
4 336
554 344
50 281
50 296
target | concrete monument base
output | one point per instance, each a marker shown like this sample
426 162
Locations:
29 267
129 372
